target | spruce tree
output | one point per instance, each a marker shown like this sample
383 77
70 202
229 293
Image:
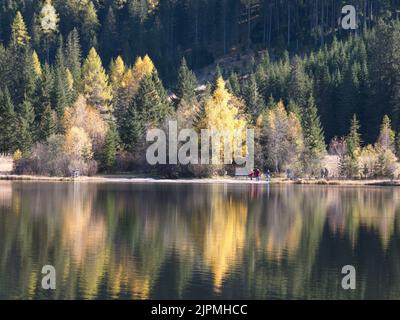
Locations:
90 24
25 131
187 82
148 102
353 139
8 125
234 84
253 99
299 88
73 57
47 125
217 75
110 147
313 137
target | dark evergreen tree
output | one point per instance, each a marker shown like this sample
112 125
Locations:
8 124
187 83
25 122
314 141
253 99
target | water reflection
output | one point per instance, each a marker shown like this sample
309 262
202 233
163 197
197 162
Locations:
123 241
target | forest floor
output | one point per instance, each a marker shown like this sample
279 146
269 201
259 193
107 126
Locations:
127 178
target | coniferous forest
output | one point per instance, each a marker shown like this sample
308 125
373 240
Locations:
81 81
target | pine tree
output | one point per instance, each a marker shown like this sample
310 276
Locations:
90 24
386 139
348 165
313 137
132 131
47 125
45 91
73 57
254 101
299 89
25 122
217 76
19 32
149 103
95 83
62 97
353 140
234 84
187 82
8 125
165 108
109 32
110 147
62 89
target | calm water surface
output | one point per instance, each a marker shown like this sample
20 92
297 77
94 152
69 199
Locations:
171 241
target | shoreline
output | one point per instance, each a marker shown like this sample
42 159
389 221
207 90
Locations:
215 180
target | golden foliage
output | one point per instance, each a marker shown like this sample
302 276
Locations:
224 113
117 72
143 67
95 82
88 118
17 155
224 238
36 64
19 34
78 144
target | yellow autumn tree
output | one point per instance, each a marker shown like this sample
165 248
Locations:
77 144
223 113
143 67
117 72
88 118
36 64
95 83
19 33
130 78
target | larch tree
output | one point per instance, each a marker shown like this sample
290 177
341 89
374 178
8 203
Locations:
36 64
224 113
117 72
95 83
19 32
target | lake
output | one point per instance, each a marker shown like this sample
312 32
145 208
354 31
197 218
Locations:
198 241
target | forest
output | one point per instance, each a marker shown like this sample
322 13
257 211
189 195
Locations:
82 81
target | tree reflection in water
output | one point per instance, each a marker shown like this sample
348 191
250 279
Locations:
124 241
